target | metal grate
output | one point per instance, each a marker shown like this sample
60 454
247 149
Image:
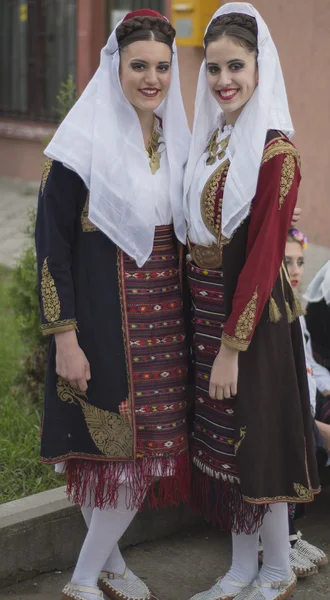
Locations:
37 53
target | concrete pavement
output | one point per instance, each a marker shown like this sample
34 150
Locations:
182 565
16 199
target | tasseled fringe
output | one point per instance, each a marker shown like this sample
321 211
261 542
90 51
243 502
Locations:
220 502
289 312
298 310
164 482
274 311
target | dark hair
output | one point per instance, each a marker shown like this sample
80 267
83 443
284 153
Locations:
242 28
145 28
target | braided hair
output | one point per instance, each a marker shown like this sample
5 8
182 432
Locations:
239 26
145 28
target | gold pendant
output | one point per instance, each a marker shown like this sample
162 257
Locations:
154 162
211 160
152 150
207 257
213 148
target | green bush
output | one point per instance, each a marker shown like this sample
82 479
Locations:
66 98
29 383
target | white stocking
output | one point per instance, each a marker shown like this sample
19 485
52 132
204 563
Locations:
115 562
244 567
105 530
274 534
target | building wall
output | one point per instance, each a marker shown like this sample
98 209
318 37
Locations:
301 33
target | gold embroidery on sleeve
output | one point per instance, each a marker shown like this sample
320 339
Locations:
58 326
49 295
245 322
45 173
282 146
234 343
287 177
110 432
86 224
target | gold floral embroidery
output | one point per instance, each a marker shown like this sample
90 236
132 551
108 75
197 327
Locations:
86 224
49 295
303 492
232 342
287 177
208 198
46 171
245 322
272 499
58 326
282 146
242 434
110 432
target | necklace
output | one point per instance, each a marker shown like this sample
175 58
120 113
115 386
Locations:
152 150
213 148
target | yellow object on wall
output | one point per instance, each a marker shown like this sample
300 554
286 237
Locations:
23 12
191 18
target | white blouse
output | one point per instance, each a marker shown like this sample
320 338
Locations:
160 188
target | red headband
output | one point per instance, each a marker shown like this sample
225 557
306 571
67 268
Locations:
143 12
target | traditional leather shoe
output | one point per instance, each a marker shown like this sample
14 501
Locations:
217 593
254 590
131 590
312 553
72 592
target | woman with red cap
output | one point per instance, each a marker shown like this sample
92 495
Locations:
109 217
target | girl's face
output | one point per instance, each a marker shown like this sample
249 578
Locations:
145 73
232 75
294 259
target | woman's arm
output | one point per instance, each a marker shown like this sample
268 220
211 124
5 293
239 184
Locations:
55 238
271 215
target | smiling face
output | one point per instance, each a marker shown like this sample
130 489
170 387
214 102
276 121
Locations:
232 75
145 73
294 259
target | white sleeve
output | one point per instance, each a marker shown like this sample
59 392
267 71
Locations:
321 374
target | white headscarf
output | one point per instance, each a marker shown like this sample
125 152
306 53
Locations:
101 139
319 287
266 109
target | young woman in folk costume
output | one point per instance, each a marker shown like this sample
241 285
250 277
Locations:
110 205
301 552
241 188
305 559
318 324
318 375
